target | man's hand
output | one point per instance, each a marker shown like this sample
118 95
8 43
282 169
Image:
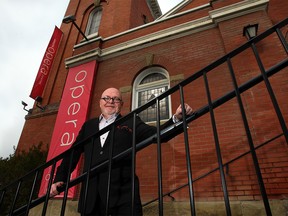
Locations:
179 111
53 190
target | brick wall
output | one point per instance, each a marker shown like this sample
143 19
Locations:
183 57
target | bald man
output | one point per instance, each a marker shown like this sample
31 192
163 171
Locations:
120 189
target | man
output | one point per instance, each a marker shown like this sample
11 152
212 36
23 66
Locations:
120 188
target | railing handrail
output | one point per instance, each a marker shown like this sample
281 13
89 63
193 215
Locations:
175 88
173 130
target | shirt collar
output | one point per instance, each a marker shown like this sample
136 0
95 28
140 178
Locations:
113 117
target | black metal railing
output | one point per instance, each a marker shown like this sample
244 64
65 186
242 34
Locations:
172 131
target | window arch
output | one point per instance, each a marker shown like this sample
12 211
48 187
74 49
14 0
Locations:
149 84
94 21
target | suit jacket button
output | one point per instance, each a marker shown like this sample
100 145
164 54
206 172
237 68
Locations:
101 152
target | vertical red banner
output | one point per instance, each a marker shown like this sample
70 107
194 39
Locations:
72 114
46 64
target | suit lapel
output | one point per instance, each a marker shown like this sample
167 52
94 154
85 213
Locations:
94 128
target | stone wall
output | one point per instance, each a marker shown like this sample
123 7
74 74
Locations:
238 208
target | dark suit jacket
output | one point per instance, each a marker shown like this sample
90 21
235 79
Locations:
120 189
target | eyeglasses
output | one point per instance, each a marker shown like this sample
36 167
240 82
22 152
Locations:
114 99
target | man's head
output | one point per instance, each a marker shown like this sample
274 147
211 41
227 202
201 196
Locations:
111 102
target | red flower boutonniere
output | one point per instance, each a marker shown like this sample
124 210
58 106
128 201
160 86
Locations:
124 127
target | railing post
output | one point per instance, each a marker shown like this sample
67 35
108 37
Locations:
159 160
110 166
282 39
187 151
250 141
2 197
31 192
88 172
67 184
217 146
133 161
48 189
271 93
15 197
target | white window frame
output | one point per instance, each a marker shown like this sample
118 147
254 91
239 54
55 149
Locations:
156 84
95 14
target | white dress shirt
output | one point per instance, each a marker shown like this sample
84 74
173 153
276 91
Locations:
103 122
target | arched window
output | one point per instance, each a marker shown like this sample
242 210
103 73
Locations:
149 84
94 21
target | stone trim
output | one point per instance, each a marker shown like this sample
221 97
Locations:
181 30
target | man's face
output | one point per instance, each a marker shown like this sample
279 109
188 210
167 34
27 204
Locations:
112 102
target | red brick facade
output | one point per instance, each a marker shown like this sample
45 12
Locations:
182 53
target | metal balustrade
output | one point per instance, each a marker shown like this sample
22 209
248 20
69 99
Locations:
172 131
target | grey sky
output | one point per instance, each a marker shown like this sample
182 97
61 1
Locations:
26 28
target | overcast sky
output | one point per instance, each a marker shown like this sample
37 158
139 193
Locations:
26 28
